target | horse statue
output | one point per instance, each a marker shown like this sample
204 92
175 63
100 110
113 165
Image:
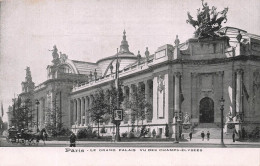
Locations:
223 17
208 22
191 21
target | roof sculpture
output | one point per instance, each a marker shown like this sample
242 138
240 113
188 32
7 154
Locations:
208 21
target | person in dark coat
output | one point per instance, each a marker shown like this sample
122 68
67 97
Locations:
243 133
190 135
208 134
202 135
233 136
72 140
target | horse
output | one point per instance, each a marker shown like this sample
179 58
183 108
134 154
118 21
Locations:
223 17
26 135
40 136
191 21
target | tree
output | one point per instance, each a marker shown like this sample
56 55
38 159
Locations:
144 131
53 122
139 105
99 108
22 113
111 99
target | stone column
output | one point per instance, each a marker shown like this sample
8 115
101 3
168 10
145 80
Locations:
177 92
147 93
74 111
78 112
90 106
124 90
86 111
239 91
131 91
238 97
71 112
82 111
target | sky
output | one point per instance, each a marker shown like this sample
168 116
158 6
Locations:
88 30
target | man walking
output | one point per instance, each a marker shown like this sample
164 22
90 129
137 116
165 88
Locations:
72 140
190 135
202 135
234 135
208 134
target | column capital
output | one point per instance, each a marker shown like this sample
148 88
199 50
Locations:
177 73
239 71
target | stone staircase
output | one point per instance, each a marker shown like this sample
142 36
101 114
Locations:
214 130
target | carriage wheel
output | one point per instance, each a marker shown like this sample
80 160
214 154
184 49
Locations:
13 140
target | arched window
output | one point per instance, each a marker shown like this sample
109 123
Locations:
65 69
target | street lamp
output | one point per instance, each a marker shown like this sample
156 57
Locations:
177 120
37 103
221 101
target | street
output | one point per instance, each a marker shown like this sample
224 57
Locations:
213 143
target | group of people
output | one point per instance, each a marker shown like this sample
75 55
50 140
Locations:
202 135
208 135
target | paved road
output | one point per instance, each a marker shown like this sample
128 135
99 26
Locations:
214 143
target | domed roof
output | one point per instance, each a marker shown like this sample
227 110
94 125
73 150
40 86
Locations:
123 52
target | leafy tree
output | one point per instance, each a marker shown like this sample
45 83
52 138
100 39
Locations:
49 122
139 105
99 108
144 131
22 113
111 99
53 123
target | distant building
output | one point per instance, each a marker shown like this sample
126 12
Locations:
185 79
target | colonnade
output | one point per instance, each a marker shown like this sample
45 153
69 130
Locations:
80 106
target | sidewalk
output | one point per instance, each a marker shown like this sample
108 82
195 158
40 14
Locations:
193 141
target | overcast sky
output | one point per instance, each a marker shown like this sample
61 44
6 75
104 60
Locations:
88 30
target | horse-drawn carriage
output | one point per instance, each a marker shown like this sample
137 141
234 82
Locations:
12 135
24 136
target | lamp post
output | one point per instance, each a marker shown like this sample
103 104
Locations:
222 109
177 119
37 103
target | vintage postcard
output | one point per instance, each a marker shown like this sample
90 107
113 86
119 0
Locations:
97 82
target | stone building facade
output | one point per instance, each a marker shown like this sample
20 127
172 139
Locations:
184 79
187 80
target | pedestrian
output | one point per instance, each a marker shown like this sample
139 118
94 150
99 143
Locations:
233 136
190 135
72 140
202 135
208 134
243 133
45 136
